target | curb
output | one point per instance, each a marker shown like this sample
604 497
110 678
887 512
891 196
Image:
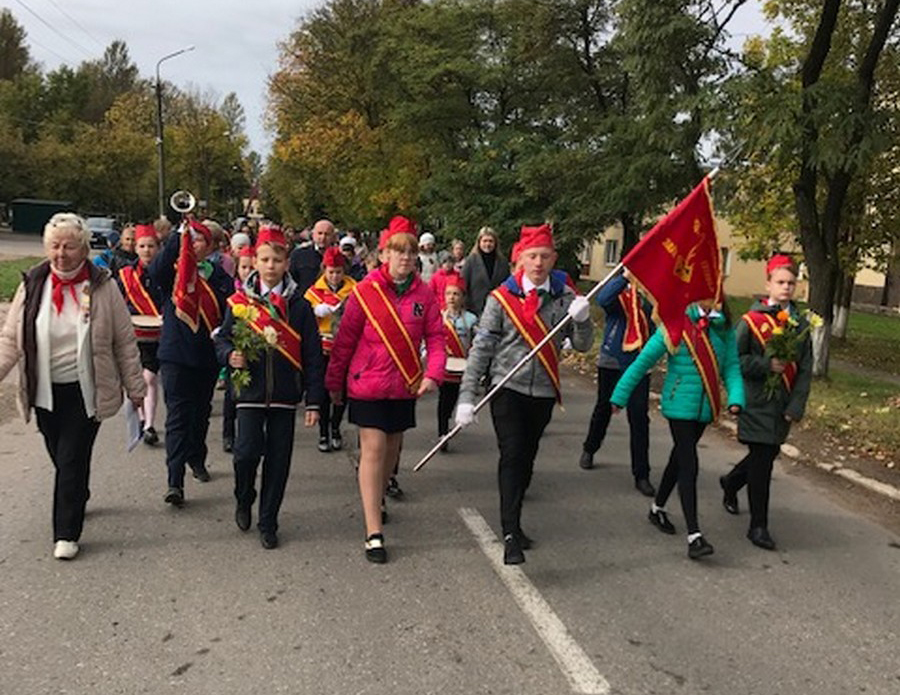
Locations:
789 450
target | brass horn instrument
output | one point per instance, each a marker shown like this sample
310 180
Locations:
183 202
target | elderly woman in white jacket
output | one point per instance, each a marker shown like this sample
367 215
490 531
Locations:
69 331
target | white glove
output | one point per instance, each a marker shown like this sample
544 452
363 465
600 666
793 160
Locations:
580 309
322 310
465 414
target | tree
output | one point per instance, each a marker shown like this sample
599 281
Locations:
14 57
809 104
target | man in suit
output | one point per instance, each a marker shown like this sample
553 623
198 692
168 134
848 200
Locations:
306 261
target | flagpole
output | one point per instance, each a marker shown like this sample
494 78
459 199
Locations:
521 363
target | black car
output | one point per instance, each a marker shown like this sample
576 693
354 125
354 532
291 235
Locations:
101 229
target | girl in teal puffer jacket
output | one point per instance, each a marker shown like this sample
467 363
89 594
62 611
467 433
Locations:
689 405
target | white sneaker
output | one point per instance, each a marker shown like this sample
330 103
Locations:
65 550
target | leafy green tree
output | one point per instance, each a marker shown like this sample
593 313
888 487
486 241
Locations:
809 106
14 56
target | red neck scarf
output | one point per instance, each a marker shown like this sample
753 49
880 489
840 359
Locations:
533 298
59 286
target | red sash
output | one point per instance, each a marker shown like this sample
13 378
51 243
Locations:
761 325
637 330
384 319
532 333
137 296
324 296
454 348
192 296
288 339
707 364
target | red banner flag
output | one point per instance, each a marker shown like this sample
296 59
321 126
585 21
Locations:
678 262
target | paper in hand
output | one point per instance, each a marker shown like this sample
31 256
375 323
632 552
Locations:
134 425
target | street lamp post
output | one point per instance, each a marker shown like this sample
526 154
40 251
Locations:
159 131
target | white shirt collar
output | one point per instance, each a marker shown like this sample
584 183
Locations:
528 285
265 290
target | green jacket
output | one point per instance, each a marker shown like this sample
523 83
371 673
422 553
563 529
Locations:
683 396
763 420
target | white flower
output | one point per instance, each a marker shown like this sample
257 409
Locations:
271 335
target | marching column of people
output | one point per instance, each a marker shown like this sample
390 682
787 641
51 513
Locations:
297 327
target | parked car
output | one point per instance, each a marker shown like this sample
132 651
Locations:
101 229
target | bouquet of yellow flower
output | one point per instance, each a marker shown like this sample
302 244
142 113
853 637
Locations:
248 342
784 344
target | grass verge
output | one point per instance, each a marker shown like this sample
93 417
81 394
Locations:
11 274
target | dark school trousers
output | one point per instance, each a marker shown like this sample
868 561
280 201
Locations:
682 469
229 411
519 422
448 394
69 435
188 392
265 433
638 420
330 415
755 471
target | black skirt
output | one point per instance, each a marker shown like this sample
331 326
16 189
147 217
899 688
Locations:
390 415
148 350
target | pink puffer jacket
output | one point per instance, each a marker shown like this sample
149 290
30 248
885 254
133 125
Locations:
359 358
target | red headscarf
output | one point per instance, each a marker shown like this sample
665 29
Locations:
531 237
142 231
333 258
779 260
273 236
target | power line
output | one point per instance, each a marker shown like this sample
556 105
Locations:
77 24
64 60
55 30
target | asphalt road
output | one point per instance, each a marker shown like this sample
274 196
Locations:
169 601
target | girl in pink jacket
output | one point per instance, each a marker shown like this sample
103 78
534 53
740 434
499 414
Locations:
376 356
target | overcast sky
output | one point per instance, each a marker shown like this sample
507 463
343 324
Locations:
236 40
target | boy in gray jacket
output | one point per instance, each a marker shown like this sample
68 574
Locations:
516 316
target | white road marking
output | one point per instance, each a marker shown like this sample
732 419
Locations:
577 667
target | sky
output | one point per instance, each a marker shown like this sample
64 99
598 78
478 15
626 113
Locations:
236 41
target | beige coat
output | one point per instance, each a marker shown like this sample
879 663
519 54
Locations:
114 353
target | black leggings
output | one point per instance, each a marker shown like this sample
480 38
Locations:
755 471
448 394
682 469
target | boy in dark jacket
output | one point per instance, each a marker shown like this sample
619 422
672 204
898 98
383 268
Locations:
764 423
627 329
271 305
195 293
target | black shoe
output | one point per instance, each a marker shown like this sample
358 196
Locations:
337 441
586 461
268 540
661 521
524 541
699 547
324 445
760 537
375 550
512 550
150 437
729 499
645 487
393 488
242 518
227 445
175 497
200 473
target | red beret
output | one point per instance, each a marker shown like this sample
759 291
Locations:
531 237
383 238
245 252
455 281
398 225
142 231
780 260
273 236
201 229
514 253
333 258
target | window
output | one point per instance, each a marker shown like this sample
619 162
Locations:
611 252
726 261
